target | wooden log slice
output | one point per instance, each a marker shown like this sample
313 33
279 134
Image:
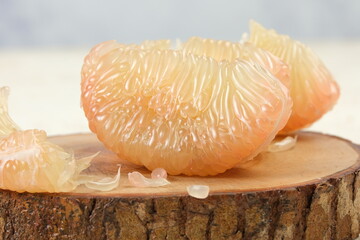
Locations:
309 192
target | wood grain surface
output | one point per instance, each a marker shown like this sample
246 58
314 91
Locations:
309 192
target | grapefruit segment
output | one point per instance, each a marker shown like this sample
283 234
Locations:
7 125
313 89
29 162
230 51
185 113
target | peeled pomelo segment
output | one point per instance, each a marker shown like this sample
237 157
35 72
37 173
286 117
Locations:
156 44
230 51
29 162
185 113
7 125
217 49
313 89
269 61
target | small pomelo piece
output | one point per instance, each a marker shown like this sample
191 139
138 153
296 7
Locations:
138 180
30 162
313 89
159 173
185 113
7 125
198 191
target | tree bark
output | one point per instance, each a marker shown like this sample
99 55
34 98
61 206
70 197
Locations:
316 203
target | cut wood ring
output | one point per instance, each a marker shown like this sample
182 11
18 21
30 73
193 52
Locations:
309 192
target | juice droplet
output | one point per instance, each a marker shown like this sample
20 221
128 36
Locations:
159 173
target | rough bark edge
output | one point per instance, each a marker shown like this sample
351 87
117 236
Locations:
330 210
326 210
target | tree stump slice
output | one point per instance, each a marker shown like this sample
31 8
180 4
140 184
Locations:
309 192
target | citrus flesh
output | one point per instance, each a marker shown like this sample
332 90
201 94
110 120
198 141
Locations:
230 51
313 89
30 162
7 125
185 113
222 50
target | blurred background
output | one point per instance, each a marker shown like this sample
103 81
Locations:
43 43
87 22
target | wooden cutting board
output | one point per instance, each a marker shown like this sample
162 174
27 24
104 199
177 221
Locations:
309 192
